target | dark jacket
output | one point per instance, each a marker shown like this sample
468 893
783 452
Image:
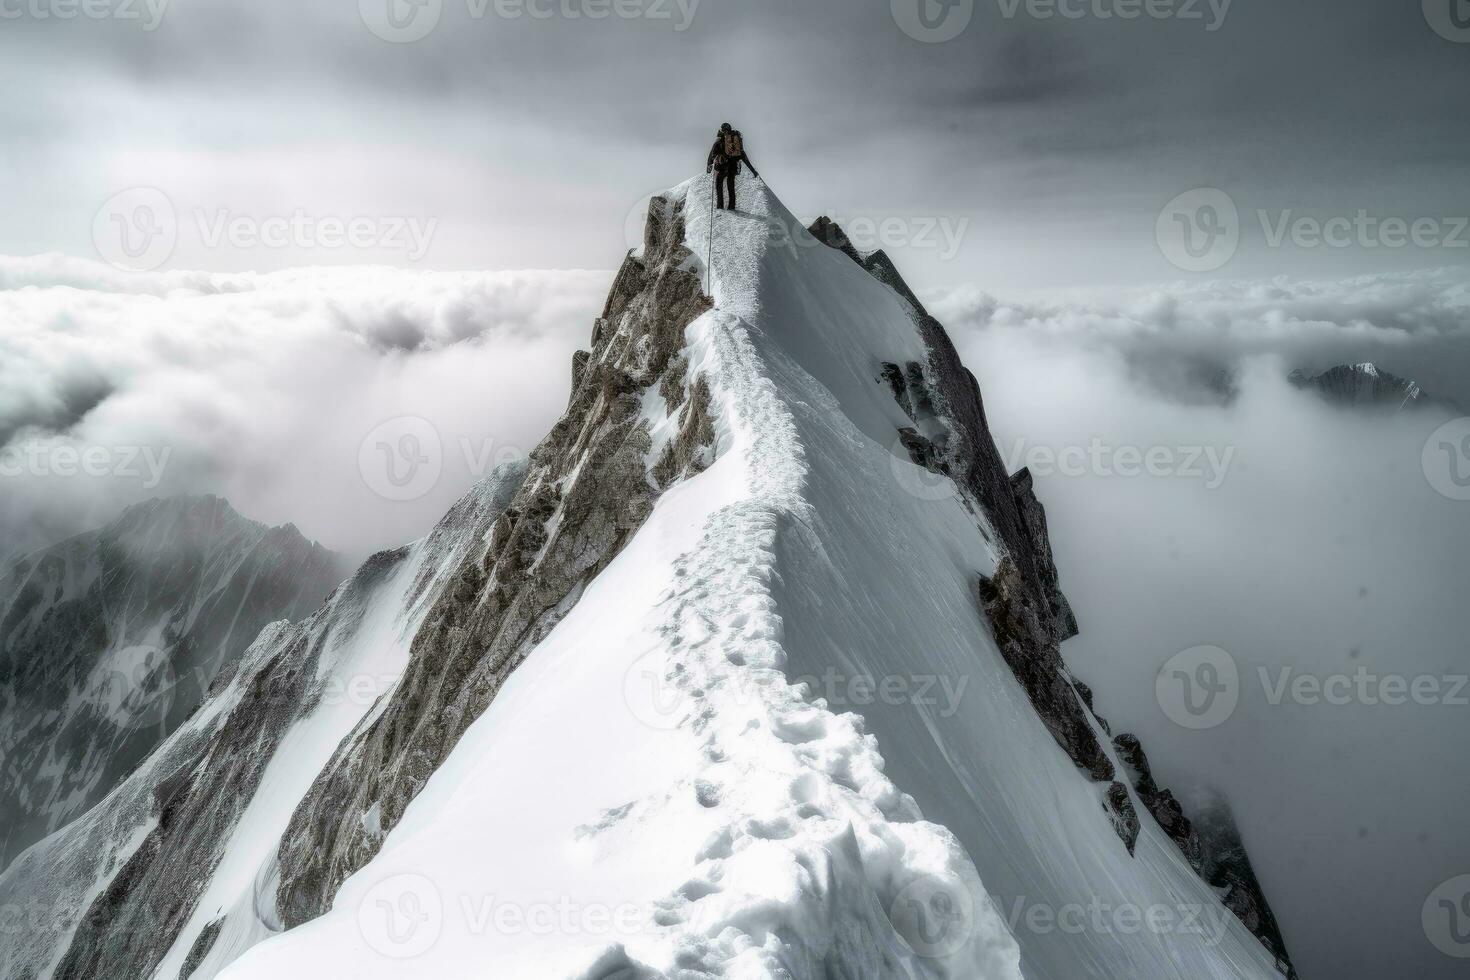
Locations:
717 154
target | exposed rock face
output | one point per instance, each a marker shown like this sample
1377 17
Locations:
1366 386
1159 802
1228 867
589 489
1125 819
1023 601
110 640
1034 655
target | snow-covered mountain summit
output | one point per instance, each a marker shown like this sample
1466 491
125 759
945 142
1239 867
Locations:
110 639
1367 386
753 670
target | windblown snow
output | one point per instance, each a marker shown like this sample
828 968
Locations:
774 738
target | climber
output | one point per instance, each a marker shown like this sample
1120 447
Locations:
725 158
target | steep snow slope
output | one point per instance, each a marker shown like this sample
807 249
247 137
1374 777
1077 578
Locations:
110 639
185 846
775 736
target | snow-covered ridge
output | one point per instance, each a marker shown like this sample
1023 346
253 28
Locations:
752 672
670 750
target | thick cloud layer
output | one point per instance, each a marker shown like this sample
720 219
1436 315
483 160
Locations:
1306 541
267 388
1179 339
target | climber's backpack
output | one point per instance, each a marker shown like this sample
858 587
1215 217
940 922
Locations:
734 145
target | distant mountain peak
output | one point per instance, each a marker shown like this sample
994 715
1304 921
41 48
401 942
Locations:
1367 386
111 638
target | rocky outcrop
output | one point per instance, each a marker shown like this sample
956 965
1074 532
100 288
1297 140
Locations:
1160 803
1227 866
1026 638
588 490
1212 845
110 640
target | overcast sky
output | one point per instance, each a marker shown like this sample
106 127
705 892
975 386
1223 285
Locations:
1048 145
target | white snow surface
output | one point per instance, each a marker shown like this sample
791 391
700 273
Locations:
657 793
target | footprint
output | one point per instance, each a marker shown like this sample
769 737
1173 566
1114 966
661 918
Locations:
800 727
695 889
777 828
707 793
